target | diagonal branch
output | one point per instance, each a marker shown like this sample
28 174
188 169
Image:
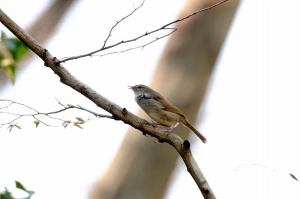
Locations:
183 147
164 27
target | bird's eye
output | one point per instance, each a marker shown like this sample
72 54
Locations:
139 87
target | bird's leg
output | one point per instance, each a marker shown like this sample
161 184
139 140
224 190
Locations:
171 128
154 124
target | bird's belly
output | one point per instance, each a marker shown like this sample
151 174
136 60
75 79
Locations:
164 118
157 113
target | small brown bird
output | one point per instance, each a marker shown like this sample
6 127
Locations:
160 110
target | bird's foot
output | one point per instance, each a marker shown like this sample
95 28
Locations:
154 124
171 129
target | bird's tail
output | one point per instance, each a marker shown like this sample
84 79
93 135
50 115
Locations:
203 139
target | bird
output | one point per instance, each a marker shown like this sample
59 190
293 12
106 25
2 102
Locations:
160 110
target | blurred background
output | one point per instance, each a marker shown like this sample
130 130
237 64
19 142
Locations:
233 70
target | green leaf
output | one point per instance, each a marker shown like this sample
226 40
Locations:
78 126
20 186
6 194
12 50
11 72
65 123
80 119
16 47
36 123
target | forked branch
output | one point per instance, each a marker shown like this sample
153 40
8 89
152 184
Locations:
37 113
164 27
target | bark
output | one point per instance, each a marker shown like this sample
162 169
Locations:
142 169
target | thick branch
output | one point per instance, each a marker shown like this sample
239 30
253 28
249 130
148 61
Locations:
67 78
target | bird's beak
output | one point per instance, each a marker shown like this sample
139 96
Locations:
130 87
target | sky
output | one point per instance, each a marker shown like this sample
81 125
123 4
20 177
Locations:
250 115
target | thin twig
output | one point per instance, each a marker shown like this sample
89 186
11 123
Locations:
142 46
48 114
104 47
112 28
291 175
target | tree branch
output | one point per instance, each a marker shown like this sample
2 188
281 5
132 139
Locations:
183 147
259 165
165 27
48 114
142 46
112 28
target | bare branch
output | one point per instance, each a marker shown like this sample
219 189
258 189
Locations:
112 28
7 105
104 47
259 165
142 46
183 147
12 102
48 114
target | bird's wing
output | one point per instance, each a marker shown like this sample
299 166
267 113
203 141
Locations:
167 106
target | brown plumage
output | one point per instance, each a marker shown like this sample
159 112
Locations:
160 110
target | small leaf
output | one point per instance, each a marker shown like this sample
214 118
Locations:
17 126
10 71
76 124
12 50
20 186
16 47
293 177
80 119
65 123
10 127
36 123
6 194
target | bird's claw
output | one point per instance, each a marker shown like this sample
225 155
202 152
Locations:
170 130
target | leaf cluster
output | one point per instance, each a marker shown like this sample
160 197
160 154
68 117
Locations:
8 195
11 51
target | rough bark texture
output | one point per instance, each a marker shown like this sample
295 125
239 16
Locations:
142 169
41 30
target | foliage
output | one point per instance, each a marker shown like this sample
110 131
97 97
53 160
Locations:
8 195
11 50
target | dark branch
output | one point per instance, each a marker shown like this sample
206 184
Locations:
142 46
112 28
104 47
